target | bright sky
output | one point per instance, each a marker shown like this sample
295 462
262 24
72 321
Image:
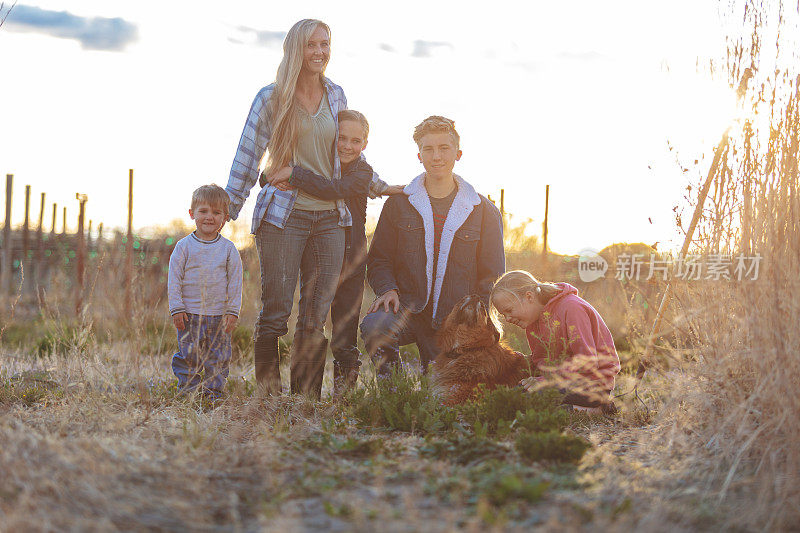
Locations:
579 95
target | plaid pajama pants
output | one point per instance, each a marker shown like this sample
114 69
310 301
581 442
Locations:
204 355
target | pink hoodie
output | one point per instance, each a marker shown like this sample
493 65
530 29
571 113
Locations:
571 335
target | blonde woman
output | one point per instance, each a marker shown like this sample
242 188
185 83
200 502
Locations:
297 234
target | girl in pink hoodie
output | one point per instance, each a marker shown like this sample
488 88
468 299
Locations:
571 346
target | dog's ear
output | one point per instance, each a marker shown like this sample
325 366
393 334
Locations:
488 321
493 324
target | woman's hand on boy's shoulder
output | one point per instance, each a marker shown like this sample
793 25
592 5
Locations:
393 189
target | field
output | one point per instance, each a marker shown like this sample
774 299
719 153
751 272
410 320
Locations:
93 435
96 439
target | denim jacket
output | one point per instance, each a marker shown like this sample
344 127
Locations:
471 255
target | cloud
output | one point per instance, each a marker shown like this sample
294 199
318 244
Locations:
386 47
95 33
266 38
426 48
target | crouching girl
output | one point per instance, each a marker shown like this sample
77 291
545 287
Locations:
571 347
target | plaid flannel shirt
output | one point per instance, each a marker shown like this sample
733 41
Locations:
272 204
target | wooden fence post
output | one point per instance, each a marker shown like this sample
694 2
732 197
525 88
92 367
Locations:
55 213
39 261
6 279
26 224
24 260
546 214
129 248
81 265
64 221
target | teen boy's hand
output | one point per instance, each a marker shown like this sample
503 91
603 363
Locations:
179 319
389 298
229 322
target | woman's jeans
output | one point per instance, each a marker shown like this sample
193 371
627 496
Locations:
311 246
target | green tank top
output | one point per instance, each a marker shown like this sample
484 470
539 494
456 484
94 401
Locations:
316 141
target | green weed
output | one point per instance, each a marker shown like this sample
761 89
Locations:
62 339
347 446
401 402
464 450
493 412
551 446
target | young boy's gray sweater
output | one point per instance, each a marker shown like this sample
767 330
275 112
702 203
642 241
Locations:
205 277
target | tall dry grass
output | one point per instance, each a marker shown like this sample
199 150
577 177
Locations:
730 428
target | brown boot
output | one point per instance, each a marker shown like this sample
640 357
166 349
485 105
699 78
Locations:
345 376
308 364
267 362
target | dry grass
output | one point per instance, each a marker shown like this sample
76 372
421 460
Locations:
94 438
101 442
729 429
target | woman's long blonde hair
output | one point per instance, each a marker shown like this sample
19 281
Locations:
519 282
282 106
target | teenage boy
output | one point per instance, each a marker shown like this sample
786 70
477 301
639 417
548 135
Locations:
358 181
205 294
440 242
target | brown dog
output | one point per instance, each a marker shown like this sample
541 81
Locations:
472 354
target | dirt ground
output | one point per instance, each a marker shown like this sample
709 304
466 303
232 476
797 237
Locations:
101 442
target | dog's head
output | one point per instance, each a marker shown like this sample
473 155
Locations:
469 325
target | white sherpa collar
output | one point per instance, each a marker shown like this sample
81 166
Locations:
465 201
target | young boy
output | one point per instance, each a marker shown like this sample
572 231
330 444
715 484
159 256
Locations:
430 248
205 294
358 181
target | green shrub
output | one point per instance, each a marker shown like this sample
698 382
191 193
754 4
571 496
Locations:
493 412
494 482
62 339
241 342
401 402
500 484
20 335
350 446
464 450
158 339
534 421
29 388
551 446
512 487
